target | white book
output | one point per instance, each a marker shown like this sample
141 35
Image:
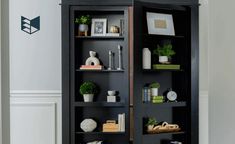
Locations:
119 122
123 123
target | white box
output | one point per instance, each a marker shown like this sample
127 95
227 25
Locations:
111 98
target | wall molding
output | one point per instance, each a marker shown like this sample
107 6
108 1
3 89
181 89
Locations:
35 93
51 105
203 94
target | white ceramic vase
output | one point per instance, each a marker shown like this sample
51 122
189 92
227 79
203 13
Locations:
88 97
146 59
163 59
154 91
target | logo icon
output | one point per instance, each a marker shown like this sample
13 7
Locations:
30 26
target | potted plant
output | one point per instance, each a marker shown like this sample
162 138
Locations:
154 88
83 22
88 89
151 123
165 52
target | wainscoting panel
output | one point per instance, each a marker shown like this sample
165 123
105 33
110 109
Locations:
35 117
203 117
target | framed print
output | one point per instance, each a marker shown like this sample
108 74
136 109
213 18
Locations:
161 24
98 27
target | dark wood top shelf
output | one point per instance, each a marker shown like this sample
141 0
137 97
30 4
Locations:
100 37
99 104
162 70
105 70
164 36
166 133
95 133
165 104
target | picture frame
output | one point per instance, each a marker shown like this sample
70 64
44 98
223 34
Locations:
98 27
160 24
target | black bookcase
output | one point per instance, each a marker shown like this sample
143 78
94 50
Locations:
130 81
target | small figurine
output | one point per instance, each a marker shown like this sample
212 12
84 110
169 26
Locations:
92 60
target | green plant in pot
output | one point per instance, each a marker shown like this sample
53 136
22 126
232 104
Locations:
83 22
154 88
164 52
151 123
88 90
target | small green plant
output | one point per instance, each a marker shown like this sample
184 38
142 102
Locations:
85 19
152 121
154 85
165 50
88 88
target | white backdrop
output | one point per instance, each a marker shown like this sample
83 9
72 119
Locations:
35 73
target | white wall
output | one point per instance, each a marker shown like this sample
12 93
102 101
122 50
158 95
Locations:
5 107
221 71
0 73
35 73
203 71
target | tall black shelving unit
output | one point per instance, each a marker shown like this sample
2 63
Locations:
130 81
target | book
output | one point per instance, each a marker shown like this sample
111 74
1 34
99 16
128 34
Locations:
166 66
91 67
121 122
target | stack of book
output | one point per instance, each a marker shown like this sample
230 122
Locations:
146 94
121 122
91 67
157 99
166 66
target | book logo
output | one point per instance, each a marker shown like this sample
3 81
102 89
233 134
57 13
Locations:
30 26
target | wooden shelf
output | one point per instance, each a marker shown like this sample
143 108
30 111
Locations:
165 104
163 70
146 135
163 36
99 104
78 70
101 133
100 37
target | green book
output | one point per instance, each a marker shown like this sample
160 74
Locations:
157 97
166 66
157 101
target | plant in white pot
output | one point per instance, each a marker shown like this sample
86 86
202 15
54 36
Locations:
154 88
88 90
151 123
164 52
83 22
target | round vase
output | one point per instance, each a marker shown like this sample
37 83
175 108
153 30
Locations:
83 27
88 97
154 91
163 59
146 58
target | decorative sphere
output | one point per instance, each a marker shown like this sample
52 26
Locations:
88 125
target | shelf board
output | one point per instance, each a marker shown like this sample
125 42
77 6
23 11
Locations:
164 36
101 133
99 104
162 70
165 104
166 133
100 37
105 70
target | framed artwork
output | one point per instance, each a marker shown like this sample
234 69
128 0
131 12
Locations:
160 24
98 27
